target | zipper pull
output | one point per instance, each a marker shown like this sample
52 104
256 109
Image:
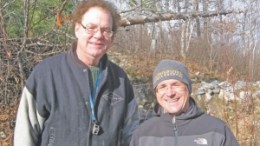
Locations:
174 126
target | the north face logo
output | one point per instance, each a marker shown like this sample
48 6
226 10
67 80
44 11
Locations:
201 141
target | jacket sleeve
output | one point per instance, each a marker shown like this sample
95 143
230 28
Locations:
230 138
131 121
29 123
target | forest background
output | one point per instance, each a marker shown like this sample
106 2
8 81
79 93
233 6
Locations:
216 39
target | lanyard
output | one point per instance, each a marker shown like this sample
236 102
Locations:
92 96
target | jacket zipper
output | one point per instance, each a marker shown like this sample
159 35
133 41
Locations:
175 131
89 136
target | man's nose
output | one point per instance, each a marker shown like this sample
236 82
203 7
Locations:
98 33
170 91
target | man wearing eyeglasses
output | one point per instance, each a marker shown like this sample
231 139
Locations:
79 97
180 122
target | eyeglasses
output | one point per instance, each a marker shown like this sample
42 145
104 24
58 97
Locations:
176 88
92 29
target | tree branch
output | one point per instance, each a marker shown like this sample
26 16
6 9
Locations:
134 20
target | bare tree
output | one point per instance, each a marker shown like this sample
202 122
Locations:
196 10
205 24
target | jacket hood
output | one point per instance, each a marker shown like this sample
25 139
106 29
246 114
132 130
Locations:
193 111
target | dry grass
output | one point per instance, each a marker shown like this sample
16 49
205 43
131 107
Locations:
7 123
242 117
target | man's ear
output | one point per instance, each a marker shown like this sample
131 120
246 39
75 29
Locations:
76 30
112 38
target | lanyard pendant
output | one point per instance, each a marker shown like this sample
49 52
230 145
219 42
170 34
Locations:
95 129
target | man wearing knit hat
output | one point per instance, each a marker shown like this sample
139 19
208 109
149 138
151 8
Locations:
180 122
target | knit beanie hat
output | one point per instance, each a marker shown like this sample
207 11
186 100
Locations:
171 69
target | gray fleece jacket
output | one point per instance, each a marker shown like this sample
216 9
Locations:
193 128
55 110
